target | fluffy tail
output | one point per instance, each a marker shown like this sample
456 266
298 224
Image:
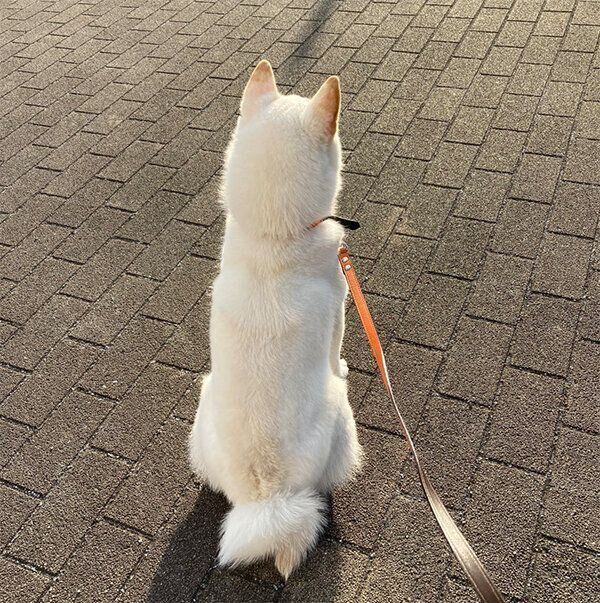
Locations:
285 525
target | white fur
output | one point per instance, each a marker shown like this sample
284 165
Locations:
274 430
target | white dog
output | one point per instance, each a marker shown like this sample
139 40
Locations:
274 430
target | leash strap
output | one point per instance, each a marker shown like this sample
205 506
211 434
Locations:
477 574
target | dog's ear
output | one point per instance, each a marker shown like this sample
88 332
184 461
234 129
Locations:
324 107
260 90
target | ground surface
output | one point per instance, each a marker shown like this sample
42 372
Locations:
472 145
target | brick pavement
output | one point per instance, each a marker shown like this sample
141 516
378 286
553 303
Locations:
471 132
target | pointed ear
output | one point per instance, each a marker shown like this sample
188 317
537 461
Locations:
260 90
325 107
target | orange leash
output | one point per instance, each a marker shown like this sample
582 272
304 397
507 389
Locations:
477 574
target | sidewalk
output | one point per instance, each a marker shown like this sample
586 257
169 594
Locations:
471 132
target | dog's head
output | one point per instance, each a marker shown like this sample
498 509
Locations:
282 166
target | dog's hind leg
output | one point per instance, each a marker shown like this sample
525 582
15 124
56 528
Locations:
345 454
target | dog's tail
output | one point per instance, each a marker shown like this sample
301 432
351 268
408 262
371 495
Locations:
285 525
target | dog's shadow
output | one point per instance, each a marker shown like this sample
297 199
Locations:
186 571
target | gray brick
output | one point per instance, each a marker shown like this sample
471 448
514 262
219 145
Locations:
588 326
504 511
520 228
91 573
92 234
188 348
584 379
90 281
583 162
50 450
501 151
474 364
138 342
447 425
571 501
163 468
434 309
157 575
149 221
562 266
524 419
501 287
544 336
20 583
426 212
482 196
412 370
167 250
561 572
549 135
359 520
379 222
186 284
117 306
529 79
560 99
33 341
18 506
536 178
461 248
421 139
410 558
39 393
372 154
32 250
470 125
398 269
58 523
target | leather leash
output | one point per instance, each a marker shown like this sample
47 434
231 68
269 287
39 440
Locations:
477 574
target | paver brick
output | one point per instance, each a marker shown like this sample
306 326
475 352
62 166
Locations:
500 289
562 266
583 162
574 479
524 419
138 342
56 526
545 334
50 450
549 135
482 196
91 573
460 250
412 370
13 436
434 310
20 583
163 468
447 425
359 519
474 364
501 151
536 178
563 573
582 407
90 281
410 558
39 335
39 393
505 502
520 228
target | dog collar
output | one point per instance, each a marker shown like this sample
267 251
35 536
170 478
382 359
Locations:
345 222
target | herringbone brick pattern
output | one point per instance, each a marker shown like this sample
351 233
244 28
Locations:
471 131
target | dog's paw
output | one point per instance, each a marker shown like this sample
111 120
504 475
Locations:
343 368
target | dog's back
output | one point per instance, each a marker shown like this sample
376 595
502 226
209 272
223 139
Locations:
274 429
